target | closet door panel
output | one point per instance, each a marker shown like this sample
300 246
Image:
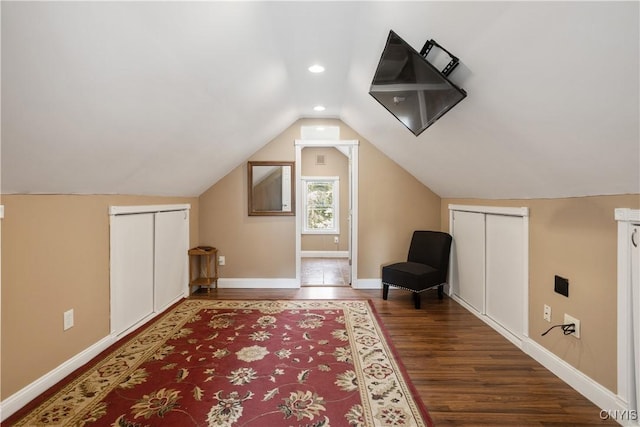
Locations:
504 271
171 262
131 270
468 236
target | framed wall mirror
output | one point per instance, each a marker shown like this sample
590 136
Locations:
271 188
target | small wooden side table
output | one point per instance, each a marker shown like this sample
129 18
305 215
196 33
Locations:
203 267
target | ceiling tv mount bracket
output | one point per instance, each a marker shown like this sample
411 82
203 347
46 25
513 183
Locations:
450 66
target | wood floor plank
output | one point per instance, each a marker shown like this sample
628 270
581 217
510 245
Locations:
466 373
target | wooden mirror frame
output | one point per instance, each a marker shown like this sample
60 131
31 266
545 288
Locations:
254 208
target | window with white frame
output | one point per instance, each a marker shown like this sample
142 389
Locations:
320 205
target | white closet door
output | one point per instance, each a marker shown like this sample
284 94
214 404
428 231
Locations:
131 270
504 272
468 236
171 262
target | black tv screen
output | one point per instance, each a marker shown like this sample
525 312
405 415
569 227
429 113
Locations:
412 89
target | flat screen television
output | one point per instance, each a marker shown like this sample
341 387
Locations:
410 88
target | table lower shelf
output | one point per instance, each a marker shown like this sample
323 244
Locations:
207 282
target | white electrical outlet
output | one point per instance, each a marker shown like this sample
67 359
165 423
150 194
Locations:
547 313
570 319
221 260
68 319
335 239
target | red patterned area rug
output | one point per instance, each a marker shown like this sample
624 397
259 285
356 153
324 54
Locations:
245 363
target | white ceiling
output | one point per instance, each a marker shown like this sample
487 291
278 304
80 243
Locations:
165 98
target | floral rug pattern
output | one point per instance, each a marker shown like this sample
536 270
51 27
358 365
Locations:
247 363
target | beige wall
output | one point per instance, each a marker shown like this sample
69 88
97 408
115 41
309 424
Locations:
55 256
253 246
574 238
392 204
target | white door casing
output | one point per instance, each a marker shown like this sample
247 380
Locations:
629 309
635 318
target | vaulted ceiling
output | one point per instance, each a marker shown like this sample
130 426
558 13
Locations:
165 98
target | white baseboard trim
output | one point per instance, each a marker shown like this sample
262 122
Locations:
585 385
324 254
275 283
16 401
367 284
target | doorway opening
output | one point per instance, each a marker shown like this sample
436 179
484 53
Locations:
326 225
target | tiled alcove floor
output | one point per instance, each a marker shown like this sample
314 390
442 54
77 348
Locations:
325 272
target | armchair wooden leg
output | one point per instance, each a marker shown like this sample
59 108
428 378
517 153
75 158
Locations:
440 291
416 300
385 291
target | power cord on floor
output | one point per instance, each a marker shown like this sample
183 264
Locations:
567 329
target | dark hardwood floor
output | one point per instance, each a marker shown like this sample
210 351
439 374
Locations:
466 373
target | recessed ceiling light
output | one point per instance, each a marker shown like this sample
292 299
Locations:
316 68
319 108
